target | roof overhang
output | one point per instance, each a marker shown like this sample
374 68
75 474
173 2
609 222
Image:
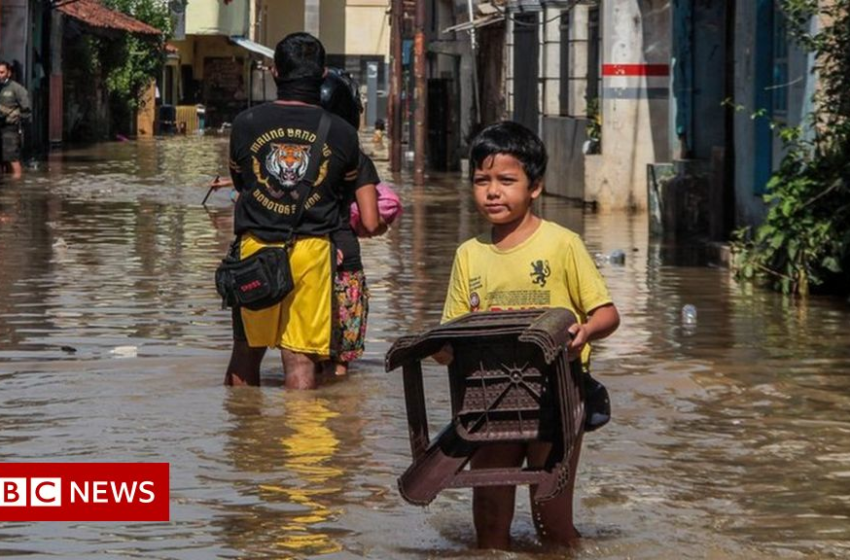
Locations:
256 48
488 14
476 23
98 18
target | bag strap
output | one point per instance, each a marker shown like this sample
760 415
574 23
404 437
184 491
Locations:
312 172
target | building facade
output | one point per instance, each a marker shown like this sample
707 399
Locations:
223 52
660 106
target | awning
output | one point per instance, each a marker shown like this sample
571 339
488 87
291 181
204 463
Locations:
476 23
254 47
94 15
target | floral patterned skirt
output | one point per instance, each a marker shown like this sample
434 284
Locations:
351 302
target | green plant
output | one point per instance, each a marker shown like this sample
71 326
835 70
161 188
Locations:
593 128
594 120
804 241
132 61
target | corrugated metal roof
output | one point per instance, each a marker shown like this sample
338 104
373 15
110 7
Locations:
94 14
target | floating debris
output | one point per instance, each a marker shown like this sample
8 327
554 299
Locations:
689 315
617 256
124 351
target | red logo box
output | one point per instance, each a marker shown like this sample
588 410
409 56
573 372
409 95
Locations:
84 492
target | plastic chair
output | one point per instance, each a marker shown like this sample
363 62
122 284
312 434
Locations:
510 381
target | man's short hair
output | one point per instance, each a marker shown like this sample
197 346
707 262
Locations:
7 64
513 139
299 55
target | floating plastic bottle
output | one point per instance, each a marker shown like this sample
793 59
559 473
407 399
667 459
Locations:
689 315
617 256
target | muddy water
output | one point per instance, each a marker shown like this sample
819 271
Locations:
731 439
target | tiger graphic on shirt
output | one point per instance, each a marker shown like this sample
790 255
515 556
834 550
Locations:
287 163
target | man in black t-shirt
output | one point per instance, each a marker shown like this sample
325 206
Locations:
270 151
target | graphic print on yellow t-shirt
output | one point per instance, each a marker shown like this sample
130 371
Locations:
551 268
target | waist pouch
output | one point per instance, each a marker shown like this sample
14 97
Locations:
258 281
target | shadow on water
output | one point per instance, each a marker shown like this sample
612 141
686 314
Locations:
729 437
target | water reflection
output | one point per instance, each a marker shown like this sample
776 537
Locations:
729 440
290 449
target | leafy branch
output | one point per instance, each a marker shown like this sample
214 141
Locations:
804 241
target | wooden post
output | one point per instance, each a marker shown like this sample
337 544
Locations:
394 109
420 95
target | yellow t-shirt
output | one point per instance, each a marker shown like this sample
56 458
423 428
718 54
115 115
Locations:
551 268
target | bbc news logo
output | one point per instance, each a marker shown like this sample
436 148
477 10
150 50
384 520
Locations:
84 492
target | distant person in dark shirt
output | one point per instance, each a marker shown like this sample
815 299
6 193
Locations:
270 149
14 112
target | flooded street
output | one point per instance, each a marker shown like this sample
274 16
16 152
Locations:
730 439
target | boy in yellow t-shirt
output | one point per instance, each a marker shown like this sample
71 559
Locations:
523 262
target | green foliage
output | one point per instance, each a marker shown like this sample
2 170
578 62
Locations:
804 241
130 62
594 125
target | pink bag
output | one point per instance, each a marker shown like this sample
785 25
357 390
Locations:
389 207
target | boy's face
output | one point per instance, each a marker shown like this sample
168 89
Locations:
502 191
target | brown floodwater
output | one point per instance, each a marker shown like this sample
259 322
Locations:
730 438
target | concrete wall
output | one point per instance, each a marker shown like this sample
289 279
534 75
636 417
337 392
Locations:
212 17
195 49
353 27
564 137
636 102
367 28
279 18
14 36
334 27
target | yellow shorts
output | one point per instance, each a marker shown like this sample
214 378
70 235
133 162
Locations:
302 321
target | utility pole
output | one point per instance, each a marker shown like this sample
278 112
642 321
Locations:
420 94
395 116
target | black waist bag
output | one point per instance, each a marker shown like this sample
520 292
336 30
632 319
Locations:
264 278
255 282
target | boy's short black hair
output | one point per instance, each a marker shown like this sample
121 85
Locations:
299 55
513 139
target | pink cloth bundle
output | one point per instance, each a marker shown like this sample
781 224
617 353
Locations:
389 207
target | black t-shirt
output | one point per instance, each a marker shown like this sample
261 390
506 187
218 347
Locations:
270 149
344 239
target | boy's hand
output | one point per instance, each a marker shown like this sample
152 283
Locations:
602 321
578 338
